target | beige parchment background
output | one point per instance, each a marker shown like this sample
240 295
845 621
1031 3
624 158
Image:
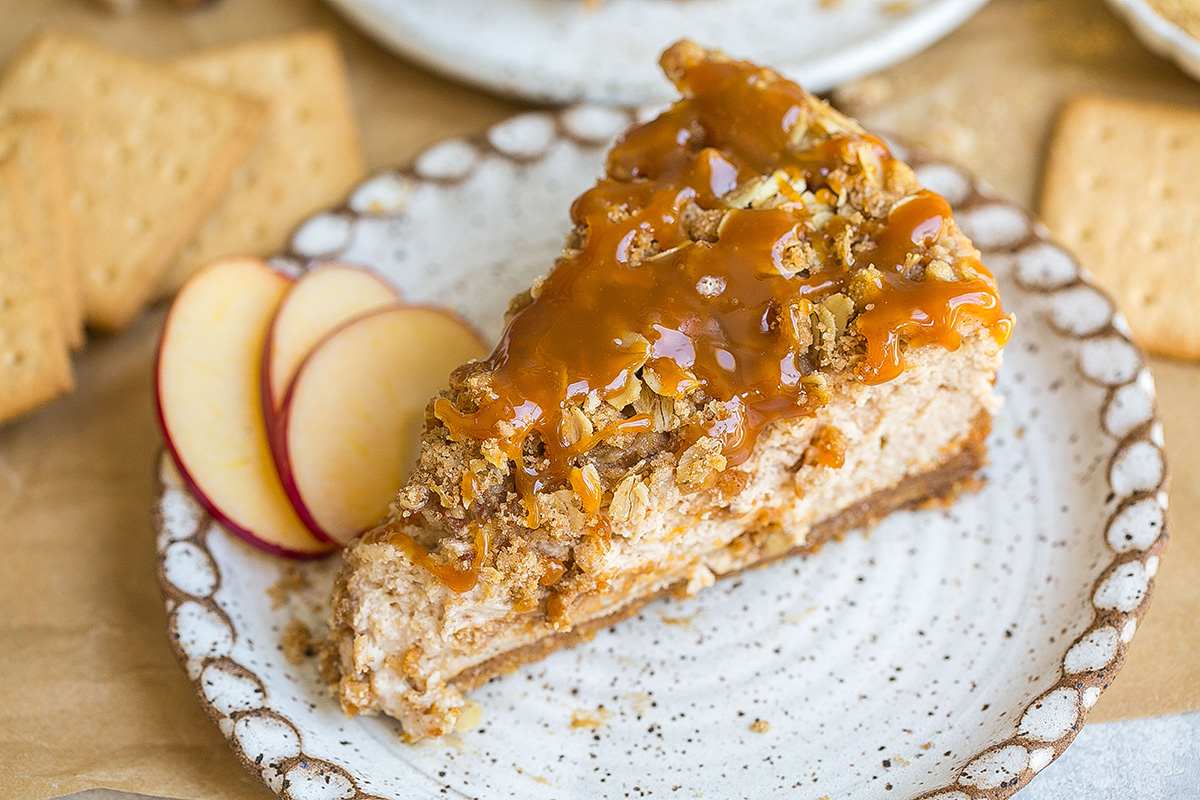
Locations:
89 693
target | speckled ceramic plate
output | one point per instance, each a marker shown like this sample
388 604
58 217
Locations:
950 653
1160 34
606 50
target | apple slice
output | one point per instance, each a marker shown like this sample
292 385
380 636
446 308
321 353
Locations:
320 301
208 388
353 417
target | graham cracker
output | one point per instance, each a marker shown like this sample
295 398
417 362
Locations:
151 153
309 155
34 363
36 144
1120 190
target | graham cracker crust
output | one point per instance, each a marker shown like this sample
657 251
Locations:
938 486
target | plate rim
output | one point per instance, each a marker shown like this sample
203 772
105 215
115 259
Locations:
976 779
1160 34
915 32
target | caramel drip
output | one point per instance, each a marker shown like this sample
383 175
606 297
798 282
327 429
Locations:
457 578
640 292
469 488
553 574
588 488
828 448
927 311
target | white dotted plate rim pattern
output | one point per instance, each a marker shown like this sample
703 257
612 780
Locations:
1160 34
1135 533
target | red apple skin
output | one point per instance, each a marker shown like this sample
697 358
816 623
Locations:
238 530
278 438
189 480
271 399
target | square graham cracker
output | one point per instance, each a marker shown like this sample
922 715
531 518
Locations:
309 155
35 366
36 144
1120 191
151 154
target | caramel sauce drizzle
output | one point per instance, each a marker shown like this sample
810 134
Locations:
828 448
590 492
554 572
602 314
457 578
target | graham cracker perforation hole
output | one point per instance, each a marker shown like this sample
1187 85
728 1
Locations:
138 224
128 153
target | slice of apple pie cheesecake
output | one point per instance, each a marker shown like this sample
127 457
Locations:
761 333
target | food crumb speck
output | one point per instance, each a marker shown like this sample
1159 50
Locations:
640 702
677 622
292 581
469 717
591 719
298 642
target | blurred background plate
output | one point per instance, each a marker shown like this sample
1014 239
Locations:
1161 34
606 50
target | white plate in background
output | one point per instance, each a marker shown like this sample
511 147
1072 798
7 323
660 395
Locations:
1160 34
607 50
